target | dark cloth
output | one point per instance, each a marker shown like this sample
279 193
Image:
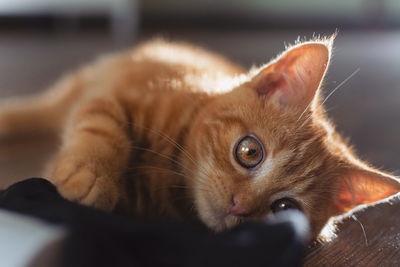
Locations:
96 238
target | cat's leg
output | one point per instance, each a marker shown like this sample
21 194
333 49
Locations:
93 155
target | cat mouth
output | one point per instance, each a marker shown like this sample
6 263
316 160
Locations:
231 221
222 220
227 222
215 215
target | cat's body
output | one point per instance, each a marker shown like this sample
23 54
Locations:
121 91
171 130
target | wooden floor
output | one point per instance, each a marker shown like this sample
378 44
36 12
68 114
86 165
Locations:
366 109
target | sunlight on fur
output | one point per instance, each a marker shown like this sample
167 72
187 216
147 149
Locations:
172 130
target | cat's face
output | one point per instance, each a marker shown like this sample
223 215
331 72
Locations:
253 154
266 146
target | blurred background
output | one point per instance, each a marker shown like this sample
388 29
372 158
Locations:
42 39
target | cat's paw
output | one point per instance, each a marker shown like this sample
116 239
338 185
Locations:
80 182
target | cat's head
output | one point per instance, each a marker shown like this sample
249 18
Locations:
267 146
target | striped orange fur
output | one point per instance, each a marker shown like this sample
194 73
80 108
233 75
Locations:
153 132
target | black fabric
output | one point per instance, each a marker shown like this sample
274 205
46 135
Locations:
100 239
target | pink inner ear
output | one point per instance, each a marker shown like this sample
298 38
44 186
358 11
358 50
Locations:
362 187
272 82
296 75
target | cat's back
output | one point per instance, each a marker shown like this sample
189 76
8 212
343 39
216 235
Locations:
175 54
162 65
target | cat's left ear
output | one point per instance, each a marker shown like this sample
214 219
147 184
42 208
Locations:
294 77
360 185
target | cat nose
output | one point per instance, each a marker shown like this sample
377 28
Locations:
236 209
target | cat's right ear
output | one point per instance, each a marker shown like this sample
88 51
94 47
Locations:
294 77
360 185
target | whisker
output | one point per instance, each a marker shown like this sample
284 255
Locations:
173 142
330 109
330 94
181 187
170 140
324 111
159 169
362 228
304 111
182 198
340 85
153 168
164 156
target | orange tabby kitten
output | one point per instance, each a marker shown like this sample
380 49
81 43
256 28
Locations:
172 130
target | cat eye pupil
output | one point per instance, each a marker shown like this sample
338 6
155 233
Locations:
249 152
284 204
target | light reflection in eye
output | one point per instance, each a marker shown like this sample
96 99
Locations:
249 152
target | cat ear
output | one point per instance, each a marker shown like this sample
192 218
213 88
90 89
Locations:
296 75
362 186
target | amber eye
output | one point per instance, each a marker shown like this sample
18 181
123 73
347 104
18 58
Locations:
285 204
249 152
